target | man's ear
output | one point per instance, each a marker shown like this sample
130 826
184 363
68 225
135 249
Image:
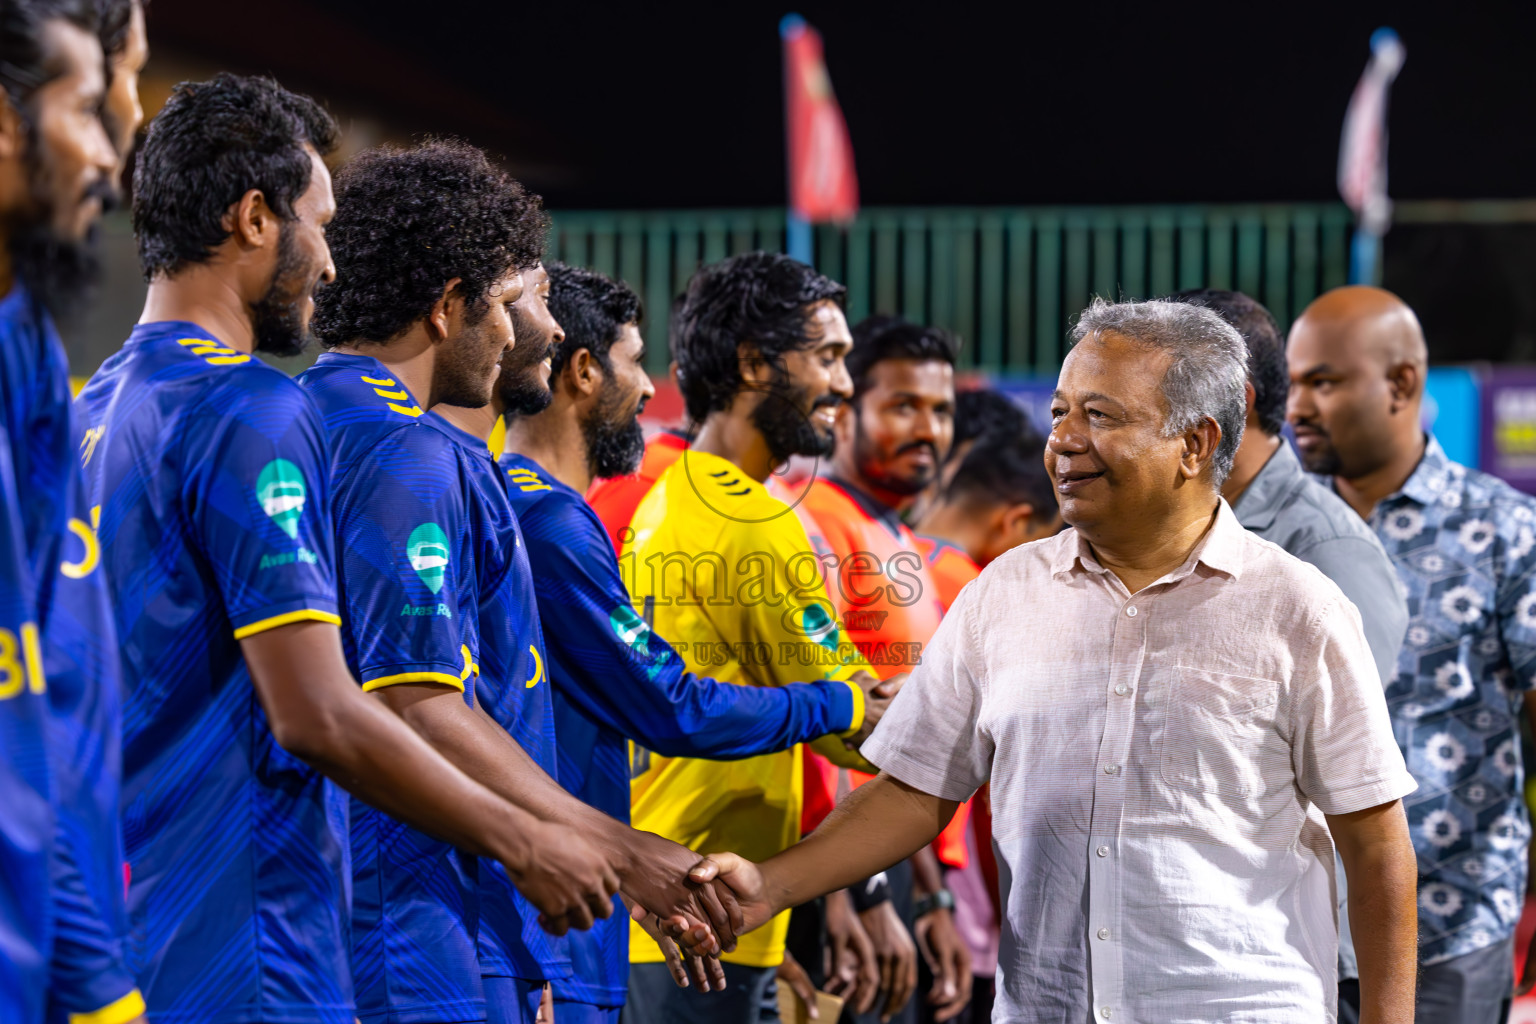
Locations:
754 368
251 222
446 311
1016 521
1406 382
1199 447
583 373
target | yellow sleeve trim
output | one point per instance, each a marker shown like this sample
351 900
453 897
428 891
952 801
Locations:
858 708
302 615
414 677
119 1012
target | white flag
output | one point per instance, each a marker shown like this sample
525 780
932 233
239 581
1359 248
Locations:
1363 149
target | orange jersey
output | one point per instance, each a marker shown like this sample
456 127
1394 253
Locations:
890 605
615 499
950 567
879 580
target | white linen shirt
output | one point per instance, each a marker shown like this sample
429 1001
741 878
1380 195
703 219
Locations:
1153 758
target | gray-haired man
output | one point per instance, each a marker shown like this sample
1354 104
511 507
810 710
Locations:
1157 698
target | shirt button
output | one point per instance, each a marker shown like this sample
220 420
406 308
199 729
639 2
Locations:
1131 611
1105 1013
1122 689
1111 769
1103 933
1103 851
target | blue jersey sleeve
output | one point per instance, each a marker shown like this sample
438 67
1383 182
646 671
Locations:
406 563
259 503
624 676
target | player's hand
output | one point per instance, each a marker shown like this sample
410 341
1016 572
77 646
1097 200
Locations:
948 959
656 876
853 971
897 954
742 879
705 971
792 974
877 698
565 877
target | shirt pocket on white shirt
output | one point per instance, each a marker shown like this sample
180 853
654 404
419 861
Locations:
1220 735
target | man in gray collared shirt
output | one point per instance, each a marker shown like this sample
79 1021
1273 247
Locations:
1275 498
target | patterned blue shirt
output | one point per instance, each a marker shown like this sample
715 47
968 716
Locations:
1464 544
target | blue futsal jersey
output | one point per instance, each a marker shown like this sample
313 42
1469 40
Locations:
88 970
513 688
408 544
211 472
616 680
90 958
26 812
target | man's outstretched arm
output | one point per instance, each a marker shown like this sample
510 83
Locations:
1383 876
881 823
320 715
652 871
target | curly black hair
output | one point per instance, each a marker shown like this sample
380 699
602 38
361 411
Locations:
407 222
880 338
1004 465
1266 350
25 64
210 144
761 297
985 411
591 309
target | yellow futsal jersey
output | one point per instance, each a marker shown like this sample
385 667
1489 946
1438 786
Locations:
724 571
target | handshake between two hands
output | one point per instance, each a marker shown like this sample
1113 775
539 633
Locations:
693 907
692 945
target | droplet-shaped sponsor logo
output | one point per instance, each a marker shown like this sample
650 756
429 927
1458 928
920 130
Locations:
428 551
280 489
631 629
819 626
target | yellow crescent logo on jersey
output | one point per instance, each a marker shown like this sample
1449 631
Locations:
92 556
538 668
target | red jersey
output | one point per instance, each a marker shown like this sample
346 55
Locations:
950 567
615 499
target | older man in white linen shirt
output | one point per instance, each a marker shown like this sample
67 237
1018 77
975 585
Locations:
1159 700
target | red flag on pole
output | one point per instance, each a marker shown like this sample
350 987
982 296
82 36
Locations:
822 183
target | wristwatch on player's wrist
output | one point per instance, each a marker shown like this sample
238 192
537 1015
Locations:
941 900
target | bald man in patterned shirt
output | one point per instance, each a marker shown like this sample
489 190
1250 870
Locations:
1464 545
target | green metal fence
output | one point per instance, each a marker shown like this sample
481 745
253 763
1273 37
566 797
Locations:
1008 280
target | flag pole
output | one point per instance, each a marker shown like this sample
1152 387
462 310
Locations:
1365 257
797 229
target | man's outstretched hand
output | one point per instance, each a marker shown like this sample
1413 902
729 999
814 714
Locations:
703 972
742 879
566 878
877 698
657 877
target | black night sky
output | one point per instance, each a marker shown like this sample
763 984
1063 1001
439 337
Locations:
664 105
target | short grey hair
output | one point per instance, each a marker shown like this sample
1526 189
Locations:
1207 374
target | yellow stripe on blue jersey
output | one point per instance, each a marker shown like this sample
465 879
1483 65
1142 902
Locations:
302 615
725 571
121 1011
